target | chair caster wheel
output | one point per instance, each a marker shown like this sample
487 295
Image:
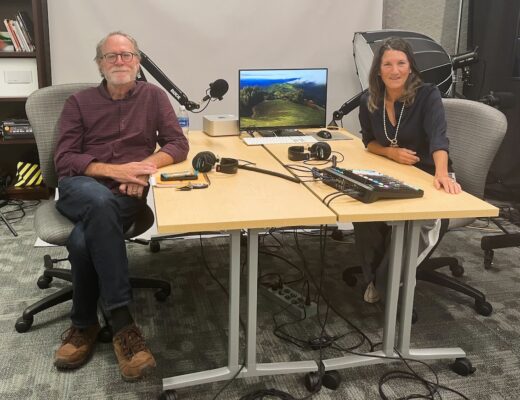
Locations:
44 282
462 367
47 261
168 395
349 279
105 335
483 308
23 324
331 380
488 258
155 246
457 270
162 295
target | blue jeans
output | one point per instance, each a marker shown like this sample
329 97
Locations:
97 251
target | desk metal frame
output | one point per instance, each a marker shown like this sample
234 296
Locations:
403 250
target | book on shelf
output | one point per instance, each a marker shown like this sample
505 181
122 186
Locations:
21 32
27 25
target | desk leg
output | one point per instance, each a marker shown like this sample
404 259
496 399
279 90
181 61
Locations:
228 372
392 297
252 367
392 287
405 321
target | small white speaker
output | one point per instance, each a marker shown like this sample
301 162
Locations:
220 125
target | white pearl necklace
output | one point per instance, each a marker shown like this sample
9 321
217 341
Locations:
393 142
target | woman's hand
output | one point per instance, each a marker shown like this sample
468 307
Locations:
446 182
402 155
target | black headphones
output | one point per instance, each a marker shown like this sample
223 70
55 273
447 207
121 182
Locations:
205 160
319 151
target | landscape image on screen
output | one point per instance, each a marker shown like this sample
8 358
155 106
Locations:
288 98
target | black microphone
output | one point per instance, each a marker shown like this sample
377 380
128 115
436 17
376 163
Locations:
217 90
501 100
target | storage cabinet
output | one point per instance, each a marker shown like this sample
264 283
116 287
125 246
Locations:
12 100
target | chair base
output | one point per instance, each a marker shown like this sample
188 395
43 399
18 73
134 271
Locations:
490 243
427 272
24 323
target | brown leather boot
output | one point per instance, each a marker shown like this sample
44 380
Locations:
135 359
77 347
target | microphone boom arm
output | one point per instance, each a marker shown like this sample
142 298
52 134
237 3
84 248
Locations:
166 83
347 107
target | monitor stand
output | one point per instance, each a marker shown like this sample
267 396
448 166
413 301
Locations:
3 218
280 132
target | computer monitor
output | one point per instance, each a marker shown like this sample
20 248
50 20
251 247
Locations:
271 99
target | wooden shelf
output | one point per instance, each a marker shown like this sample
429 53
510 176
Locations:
11 99
28 193
17 54
17 141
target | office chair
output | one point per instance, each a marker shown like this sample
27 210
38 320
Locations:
43 109
475 131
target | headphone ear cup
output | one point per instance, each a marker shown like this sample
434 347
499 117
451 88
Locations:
320 150
297 153
204 161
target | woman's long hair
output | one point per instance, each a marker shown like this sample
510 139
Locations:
376 86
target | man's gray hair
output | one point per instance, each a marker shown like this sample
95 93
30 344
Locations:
99 47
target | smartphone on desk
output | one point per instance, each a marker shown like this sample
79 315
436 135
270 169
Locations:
179 176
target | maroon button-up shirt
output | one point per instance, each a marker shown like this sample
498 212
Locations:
93 127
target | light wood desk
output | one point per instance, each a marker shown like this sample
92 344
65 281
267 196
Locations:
246 200
405 216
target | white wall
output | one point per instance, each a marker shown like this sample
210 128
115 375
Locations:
196 42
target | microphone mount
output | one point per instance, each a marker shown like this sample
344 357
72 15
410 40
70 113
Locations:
348 106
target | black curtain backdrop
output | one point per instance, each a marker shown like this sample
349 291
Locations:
494 27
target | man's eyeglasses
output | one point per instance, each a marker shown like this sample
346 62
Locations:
111 58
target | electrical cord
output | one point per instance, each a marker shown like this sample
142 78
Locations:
19 207
324 162
304 262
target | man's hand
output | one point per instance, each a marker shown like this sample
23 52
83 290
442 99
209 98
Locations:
133 172
134 189
449 184
402 155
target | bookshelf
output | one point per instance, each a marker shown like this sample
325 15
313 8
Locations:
13 105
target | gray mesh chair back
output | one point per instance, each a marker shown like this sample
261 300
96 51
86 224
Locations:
43 108
475 130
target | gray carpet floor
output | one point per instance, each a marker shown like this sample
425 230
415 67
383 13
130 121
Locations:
188 332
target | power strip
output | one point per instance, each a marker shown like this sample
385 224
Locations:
290 300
